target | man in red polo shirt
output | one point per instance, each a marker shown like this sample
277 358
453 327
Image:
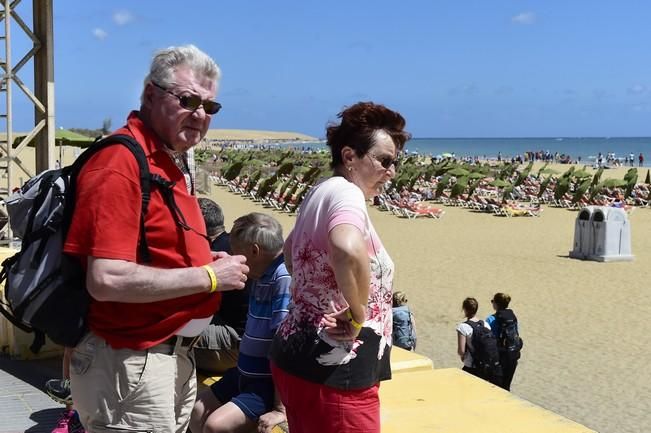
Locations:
134 370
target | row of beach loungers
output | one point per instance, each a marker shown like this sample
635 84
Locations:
287 201
525 199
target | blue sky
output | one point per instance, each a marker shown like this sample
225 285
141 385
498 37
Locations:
483 68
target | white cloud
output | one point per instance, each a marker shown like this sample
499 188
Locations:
122 17
99 34
636 89
524 18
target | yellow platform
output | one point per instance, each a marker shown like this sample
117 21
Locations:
403 361
450 401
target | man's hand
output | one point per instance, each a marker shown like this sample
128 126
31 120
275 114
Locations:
267 421
230 271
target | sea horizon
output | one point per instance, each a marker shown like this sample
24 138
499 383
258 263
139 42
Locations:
579 149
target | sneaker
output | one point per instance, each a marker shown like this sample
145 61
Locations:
59 390
64 422
74 426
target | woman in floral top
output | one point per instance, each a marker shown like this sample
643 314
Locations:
333 349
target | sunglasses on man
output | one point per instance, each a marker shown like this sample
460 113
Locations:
192 102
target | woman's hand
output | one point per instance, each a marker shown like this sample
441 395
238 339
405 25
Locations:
350 263
339 327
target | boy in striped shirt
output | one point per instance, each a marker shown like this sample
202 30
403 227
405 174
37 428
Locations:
245 396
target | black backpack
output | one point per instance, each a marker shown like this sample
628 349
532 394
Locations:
45 288
509 342
485 355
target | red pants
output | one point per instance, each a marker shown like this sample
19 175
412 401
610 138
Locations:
313 407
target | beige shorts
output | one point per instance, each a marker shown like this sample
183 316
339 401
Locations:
124 390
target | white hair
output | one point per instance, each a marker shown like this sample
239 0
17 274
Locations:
167 60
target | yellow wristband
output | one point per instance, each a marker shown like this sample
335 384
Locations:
352 321
214 282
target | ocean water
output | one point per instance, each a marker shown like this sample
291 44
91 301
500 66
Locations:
586 148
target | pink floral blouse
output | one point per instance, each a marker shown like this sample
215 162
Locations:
301 346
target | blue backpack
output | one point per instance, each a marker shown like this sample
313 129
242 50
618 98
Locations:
404 331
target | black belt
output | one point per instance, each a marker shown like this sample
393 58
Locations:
188 342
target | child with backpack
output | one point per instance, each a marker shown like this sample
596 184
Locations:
404 326
504 325
477 346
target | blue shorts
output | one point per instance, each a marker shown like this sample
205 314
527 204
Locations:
254 396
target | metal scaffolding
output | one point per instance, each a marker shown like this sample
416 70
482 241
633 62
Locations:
42 96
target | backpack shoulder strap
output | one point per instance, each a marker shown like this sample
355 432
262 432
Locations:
145 180
472 324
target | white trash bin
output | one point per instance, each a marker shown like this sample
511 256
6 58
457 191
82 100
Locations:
583 246
611 235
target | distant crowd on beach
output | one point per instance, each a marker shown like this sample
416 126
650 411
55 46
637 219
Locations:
610 160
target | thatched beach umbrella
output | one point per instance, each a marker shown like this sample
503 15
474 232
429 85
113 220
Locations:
284 186
284 169
267 185
544 167
504 186
459 187
562 186
458 172
440 187
613 183
631 175
523 174
568 173
631 179
233 171
543 185
310 175
647 180
581 174
500 183
253 180
581 190
597 176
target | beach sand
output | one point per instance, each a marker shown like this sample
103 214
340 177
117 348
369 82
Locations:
583 322
585 353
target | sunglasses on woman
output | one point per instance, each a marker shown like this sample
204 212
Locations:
192 102
386 161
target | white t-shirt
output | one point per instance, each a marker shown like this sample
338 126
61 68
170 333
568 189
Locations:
466 330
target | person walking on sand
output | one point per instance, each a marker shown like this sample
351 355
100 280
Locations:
477 350
134 370
504 325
